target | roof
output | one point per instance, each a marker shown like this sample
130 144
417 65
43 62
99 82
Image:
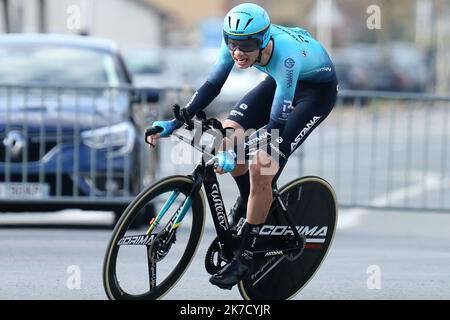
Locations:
58 39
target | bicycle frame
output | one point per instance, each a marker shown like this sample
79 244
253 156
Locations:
204 174
177 195
218 212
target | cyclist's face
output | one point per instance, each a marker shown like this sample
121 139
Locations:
244 52
243 59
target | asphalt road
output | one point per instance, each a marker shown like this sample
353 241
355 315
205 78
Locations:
375 255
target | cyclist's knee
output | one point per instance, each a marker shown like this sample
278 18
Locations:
232 124
236 138
239 132
263 166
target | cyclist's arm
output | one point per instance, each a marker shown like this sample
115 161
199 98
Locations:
211 88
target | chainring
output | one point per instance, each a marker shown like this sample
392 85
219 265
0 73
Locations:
214 260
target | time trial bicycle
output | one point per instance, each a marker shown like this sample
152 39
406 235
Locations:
145 263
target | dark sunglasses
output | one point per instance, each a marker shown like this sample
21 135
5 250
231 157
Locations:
247 45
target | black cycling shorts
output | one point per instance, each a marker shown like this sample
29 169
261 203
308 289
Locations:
312 103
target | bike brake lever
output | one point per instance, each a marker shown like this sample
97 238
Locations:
187 119
176 113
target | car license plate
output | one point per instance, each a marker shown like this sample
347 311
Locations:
28 190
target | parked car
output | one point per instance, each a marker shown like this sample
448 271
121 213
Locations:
396 66
67 136
147 66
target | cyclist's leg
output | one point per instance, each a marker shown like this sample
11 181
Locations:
311 107
312 104
263 169
258 205
251 112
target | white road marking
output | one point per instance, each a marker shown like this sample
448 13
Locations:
70 216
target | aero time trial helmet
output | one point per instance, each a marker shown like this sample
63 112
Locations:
247 21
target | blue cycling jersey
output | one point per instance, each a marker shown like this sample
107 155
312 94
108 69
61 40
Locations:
296 56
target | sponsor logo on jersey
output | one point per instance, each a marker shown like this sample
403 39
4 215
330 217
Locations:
243 106
326 69
257 139
289 63
289 78
236 113
274 148
298 35
287 106
304 131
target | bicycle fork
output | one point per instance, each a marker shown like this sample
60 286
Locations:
176 219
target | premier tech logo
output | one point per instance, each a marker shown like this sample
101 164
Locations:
289 63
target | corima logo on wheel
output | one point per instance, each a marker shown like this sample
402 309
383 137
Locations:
136 240
316 231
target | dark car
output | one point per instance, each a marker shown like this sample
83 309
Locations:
67 135
396 66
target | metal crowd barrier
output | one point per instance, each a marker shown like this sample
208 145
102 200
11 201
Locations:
384 150
83 147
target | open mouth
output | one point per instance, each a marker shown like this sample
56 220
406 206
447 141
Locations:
241 61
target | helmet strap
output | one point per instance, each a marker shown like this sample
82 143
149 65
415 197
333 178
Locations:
258 60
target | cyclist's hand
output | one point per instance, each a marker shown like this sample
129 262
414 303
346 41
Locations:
225 161
152 139
167 128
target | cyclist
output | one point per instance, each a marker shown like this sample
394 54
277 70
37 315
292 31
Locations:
296 96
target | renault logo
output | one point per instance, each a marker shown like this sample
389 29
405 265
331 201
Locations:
15 142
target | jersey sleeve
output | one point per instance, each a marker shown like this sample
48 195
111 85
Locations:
214 83
285 77
222 67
